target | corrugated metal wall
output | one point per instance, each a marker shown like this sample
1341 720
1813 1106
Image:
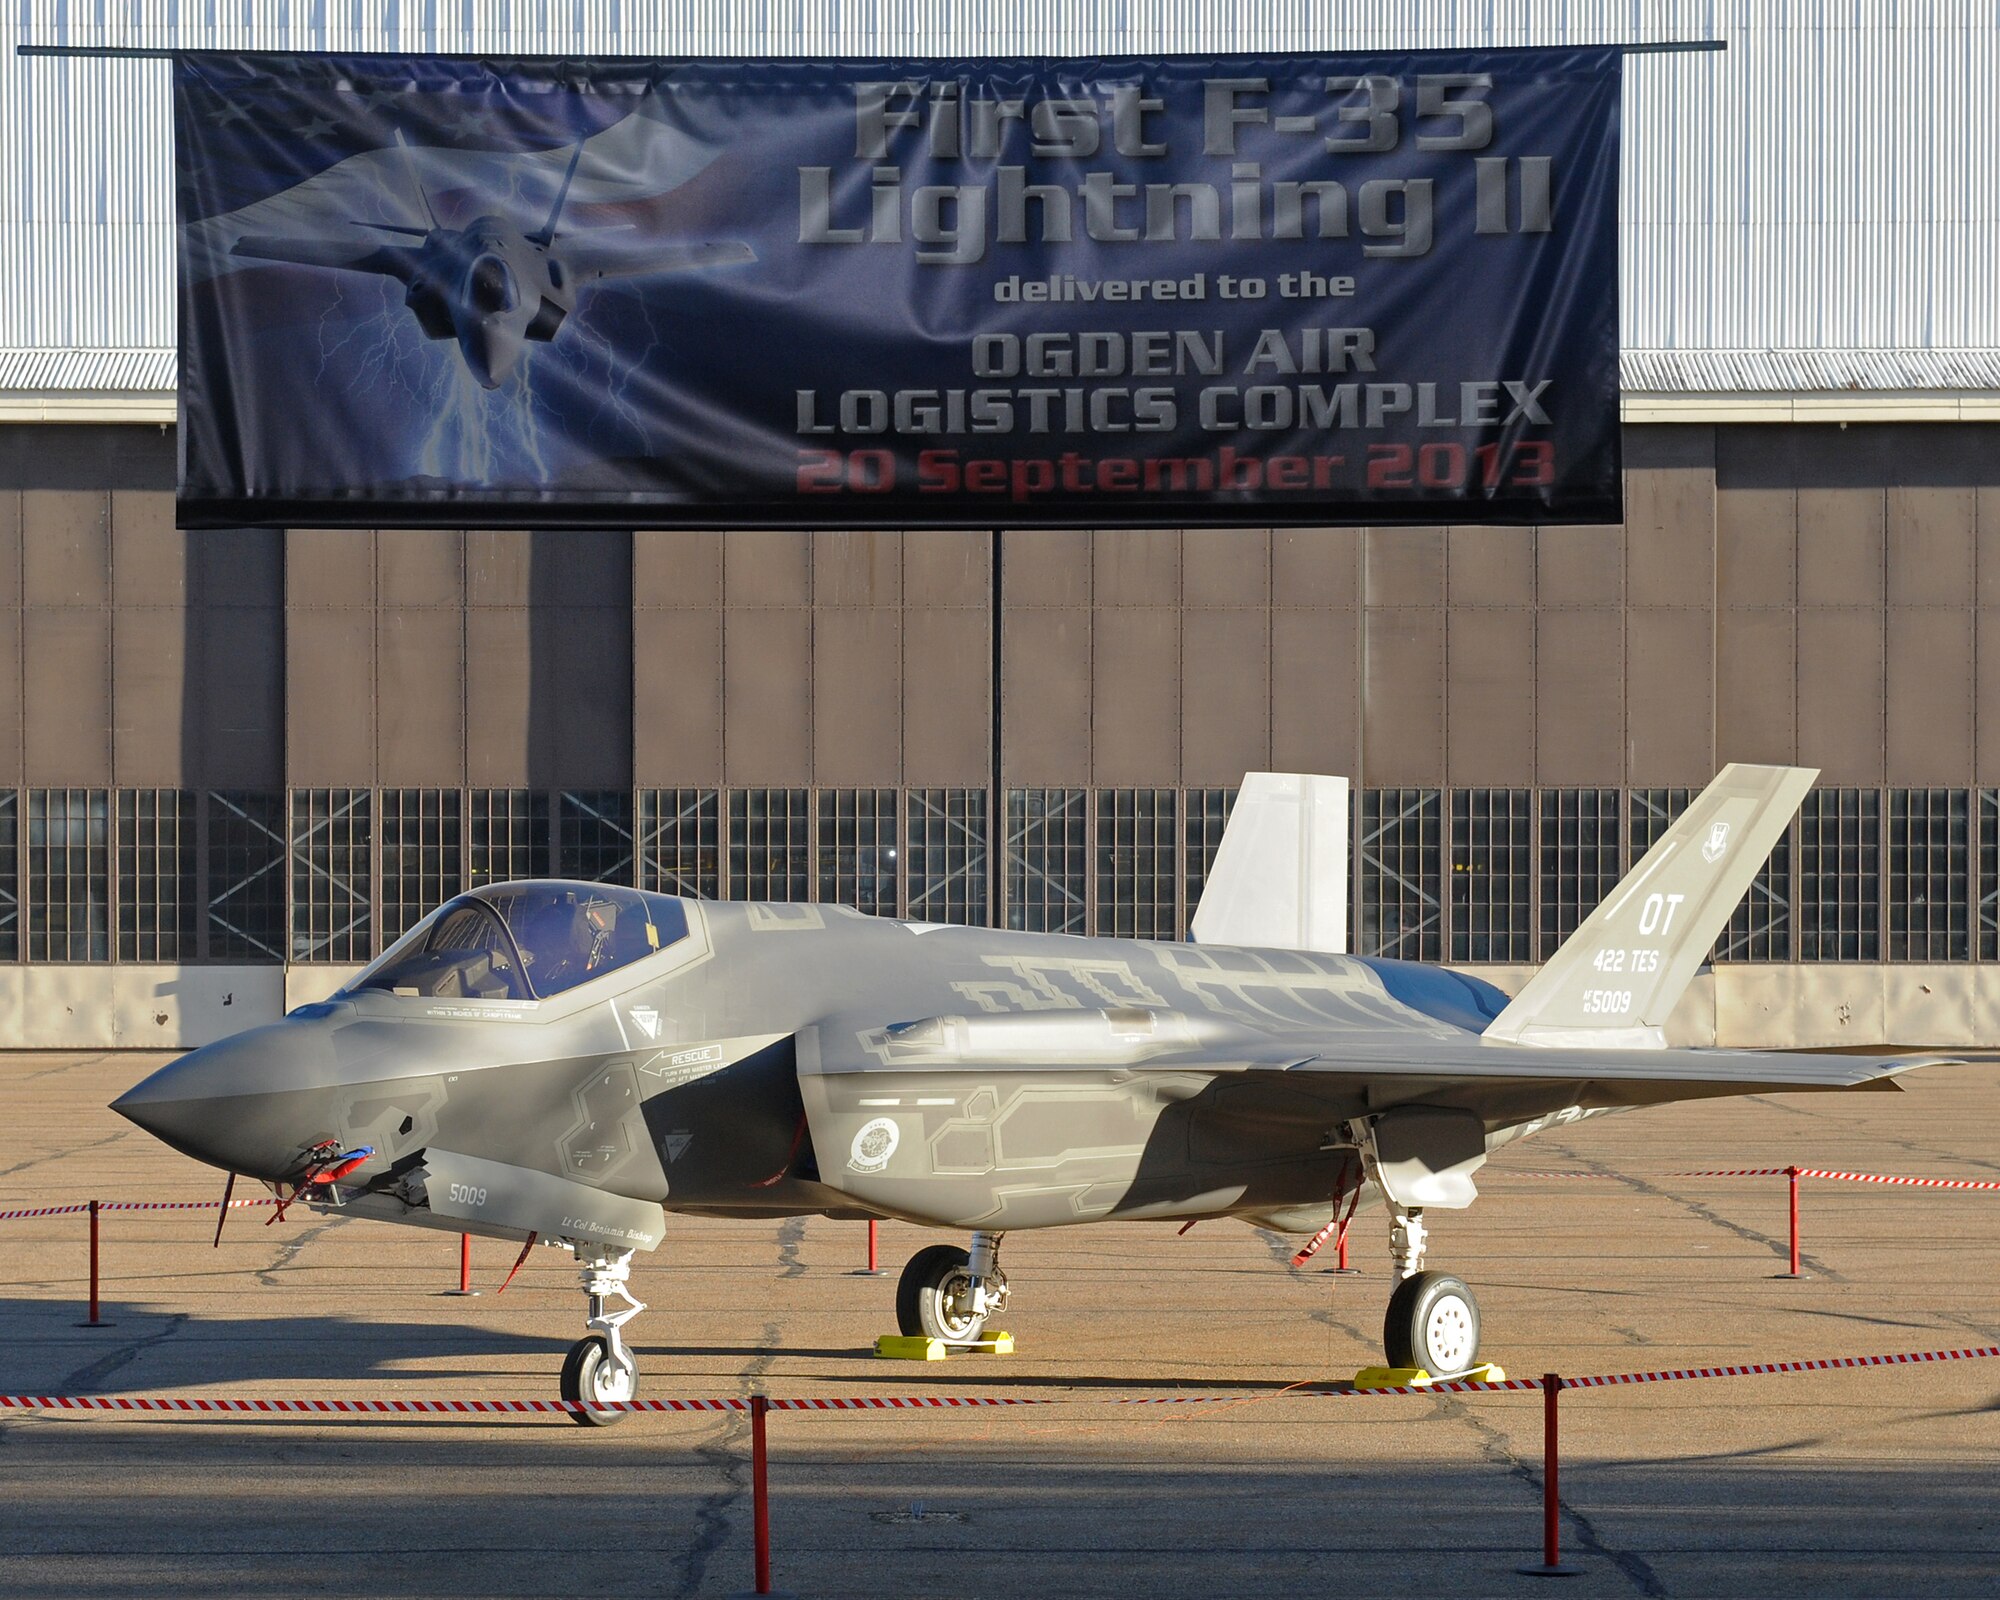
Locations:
1830 184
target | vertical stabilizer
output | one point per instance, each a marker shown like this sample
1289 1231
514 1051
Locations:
1616 980
1280 876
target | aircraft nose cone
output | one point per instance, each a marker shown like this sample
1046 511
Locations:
247 1104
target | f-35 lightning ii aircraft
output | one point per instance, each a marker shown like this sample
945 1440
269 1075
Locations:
490 287
572 1060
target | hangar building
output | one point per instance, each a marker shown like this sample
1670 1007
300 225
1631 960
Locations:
233 765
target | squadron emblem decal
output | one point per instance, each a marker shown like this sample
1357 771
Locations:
1718 841
648 1020
874 1145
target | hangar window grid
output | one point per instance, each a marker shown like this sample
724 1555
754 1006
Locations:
945 855
856 849
421 858
1580 834
10 876
1206 814
1137 865
1492 874
1839 875
245 855
594 835
770 844
69 875
680 842
1929 903
1399 865
1048 860
1989 874
332 871
508 835
157 874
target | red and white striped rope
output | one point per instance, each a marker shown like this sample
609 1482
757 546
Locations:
140 1403
130 1205
1784 1172
128 1403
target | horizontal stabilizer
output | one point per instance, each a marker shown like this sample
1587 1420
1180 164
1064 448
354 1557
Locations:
1617 979
1280 876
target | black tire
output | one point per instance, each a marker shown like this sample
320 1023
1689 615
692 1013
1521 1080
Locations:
932 1280
584 1375
1433 1323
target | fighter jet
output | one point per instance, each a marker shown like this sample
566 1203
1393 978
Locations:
571 1061
489 286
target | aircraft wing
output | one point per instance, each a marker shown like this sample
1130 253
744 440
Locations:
614 253
350 254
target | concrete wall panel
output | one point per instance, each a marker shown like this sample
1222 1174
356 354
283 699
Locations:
767 696
1841 694
1402 695
151 737
1045 696
1669 696
1226 695
947 671
1490 695
857 690
1756 685
1313 568
676 699
330 696
1136 694
1580 698
1929 721
66 555
1316 676
420 678
66 689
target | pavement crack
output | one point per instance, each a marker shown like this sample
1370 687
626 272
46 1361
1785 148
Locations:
1497 1446
288 1252
790 1237
89 1376
58 1155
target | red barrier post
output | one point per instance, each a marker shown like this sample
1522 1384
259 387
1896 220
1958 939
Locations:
873 1269
94 1320
1552 1566
1792 1182
464 1268
93 1264
760 1492
1340 1250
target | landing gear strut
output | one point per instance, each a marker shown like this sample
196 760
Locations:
599 1366
1433 1321
948 1293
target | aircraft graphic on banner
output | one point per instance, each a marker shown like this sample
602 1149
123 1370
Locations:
491 287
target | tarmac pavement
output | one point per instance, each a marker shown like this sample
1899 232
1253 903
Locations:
1864 1482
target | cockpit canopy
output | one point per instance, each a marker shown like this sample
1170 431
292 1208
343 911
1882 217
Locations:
527 941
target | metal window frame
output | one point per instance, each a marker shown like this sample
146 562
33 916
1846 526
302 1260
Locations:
1906 859
1073 808
371 896
281 863
1431 932
30 900
13 884
928 811
1522 910
433 889
155 837
1866 924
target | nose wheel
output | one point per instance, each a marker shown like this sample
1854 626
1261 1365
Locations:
599 1368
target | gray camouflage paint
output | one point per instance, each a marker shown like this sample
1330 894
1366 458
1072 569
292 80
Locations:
797 1059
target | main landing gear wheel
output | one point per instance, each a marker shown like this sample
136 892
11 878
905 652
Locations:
1433 1323
934 1297
589 1374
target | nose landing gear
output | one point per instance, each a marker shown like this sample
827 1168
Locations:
948 1293
599 1367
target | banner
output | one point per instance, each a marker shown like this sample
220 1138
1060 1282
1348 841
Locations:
927 293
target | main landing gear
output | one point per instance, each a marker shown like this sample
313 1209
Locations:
948 1293
1433 1321
599 1366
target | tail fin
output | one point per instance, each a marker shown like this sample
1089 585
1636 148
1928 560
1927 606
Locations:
1615 980
1280 876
